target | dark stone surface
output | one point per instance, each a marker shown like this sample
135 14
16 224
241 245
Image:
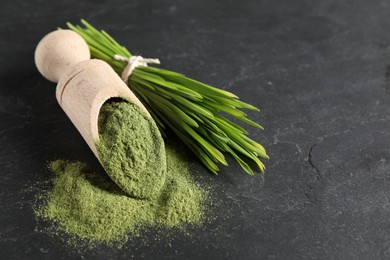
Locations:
320 71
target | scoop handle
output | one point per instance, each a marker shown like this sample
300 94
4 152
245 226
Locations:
58 51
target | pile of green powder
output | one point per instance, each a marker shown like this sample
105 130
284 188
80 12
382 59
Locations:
131 149
91 207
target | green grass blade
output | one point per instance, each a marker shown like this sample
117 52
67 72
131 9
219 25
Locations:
188 107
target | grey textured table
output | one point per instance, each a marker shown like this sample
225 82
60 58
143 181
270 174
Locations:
320 72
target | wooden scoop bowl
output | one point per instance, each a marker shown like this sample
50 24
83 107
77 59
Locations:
84 84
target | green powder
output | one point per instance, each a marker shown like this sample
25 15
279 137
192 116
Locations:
93 208
90 207
131 149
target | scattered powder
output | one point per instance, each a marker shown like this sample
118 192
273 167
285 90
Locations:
131 149
90 207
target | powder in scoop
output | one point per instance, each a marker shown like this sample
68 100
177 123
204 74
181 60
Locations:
131 149
91 207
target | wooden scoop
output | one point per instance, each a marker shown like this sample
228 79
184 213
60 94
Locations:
83 84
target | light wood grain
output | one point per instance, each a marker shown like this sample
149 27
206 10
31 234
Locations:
84 85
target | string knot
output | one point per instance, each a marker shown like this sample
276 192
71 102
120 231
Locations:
132 63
